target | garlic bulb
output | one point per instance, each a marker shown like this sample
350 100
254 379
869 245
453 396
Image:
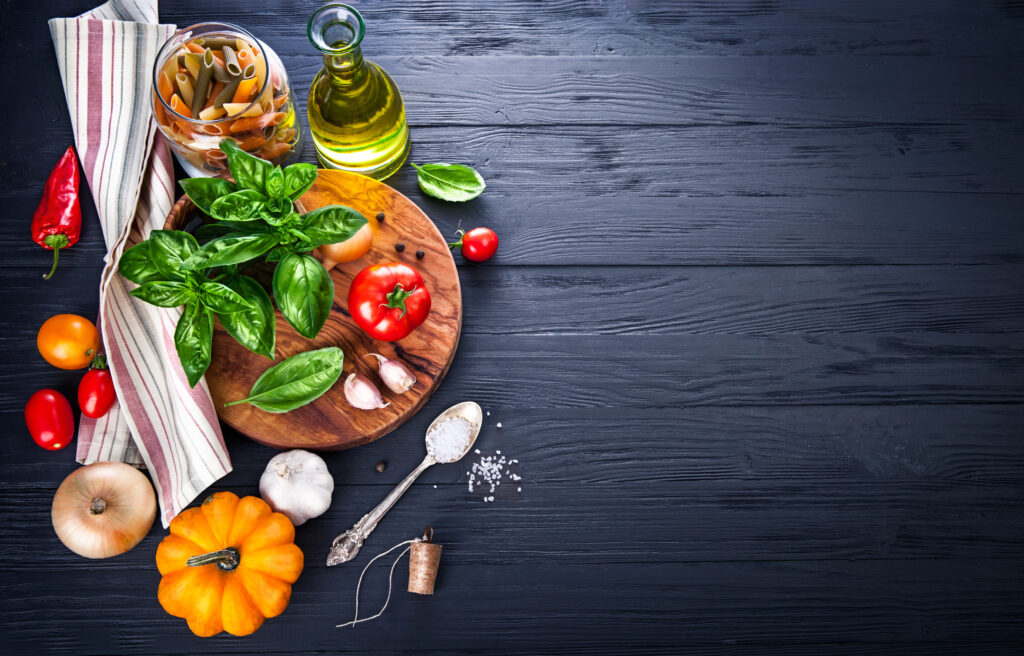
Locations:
297 484
362 394
396 376
103 509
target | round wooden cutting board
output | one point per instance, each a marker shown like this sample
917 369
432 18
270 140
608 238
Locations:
330 423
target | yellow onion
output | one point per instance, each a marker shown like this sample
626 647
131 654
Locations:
103 509
352 248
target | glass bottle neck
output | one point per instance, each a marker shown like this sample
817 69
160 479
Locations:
345 68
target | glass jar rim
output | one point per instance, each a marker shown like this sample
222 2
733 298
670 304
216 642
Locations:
222 27
348 47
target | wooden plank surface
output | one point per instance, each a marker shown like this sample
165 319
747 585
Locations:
753 332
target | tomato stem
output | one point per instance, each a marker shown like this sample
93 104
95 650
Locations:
99 362
396 298
457 244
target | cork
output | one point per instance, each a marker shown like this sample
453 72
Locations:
424 557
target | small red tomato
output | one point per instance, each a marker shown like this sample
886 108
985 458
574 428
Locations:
388 300
478 245
96 390
49 419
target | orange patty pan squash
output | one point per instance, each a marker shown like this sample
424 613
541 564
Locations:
227 565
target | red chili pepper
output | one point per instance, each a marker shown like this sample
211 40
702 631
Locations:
57 222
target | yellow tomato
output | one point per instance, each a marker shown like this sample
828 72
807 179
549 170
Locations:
352 248
68 341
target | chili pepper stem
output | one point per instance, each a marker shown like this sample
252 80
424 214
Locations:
56 242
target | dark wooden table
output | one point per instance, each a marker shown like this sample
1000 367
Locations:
755 333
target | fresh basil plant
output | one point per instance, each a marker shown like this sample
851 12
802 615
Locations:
254 219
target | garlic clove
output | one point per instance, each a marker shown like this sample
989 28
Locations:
395 375
363 394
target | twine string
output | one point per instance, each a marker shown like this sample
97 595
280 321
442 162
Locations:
408 545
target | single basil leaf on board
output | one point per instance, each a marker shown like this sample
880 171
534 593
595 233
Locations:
331 224
193 339
203 191
231 249
169 249
244 205
164 294
222 299
453 182
296 381
298 178
275 182
249 172
253 328
304 292
136 264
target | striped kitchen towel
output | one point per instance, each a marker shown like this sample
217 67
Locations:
106 61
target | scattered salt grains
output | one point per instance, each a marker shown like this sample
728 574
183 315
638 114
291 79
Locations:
488 472
498 424
448 440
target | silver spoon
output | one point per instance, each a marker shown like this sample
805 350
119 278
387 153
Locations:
347 545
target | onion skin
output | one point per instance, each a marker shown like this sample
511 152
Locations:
103 509
352 248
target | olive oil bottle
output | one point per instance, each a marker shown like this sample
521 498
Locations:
355 111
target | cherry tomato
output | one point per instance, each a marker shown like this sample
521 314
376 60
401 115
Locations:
68 341
388 300
96 390
49 419
478 245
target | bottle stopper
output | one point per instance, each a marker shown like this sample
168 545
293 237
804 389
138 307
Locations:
424 557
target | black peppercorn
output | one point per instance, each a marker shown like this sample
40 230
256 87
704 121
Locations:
399 247
419 255
380 216
381 466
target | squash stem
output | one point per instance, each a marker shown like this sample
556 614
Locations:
226 559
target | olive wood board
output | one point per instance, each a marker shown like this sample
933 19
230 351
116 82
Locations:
329 422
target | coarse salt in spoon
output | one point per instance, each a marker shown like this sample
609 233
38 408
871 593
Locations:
448 439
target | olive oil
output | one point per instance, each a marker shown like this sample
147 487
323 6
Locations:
356 114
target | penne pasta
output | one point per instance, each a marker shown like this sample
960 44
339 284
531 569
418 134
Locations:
232 62
223 99
184 87
280 101
195 47
215 90
202 87
179 106
260 62
252 143
244 90
218 42
275 149
221 74
214 129
164 87
192 64
253 123
212 113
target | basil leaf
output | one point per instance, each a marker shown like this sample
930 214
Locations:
209 231
193 339
252 328
296 381
277 254
222 299
231 249
136 264
243 205
331 224
169 249
249 171
278 211
203 191
304 292
164 294
453 182
275 182
298 178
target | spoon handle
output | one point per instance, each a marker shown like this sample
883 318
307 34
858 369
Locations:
347 545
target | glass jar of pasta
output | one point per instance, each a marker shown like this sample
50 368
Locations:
215 81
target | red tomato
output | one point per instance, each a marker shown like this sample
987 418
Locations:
96 390
478 245
388 300
49 419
